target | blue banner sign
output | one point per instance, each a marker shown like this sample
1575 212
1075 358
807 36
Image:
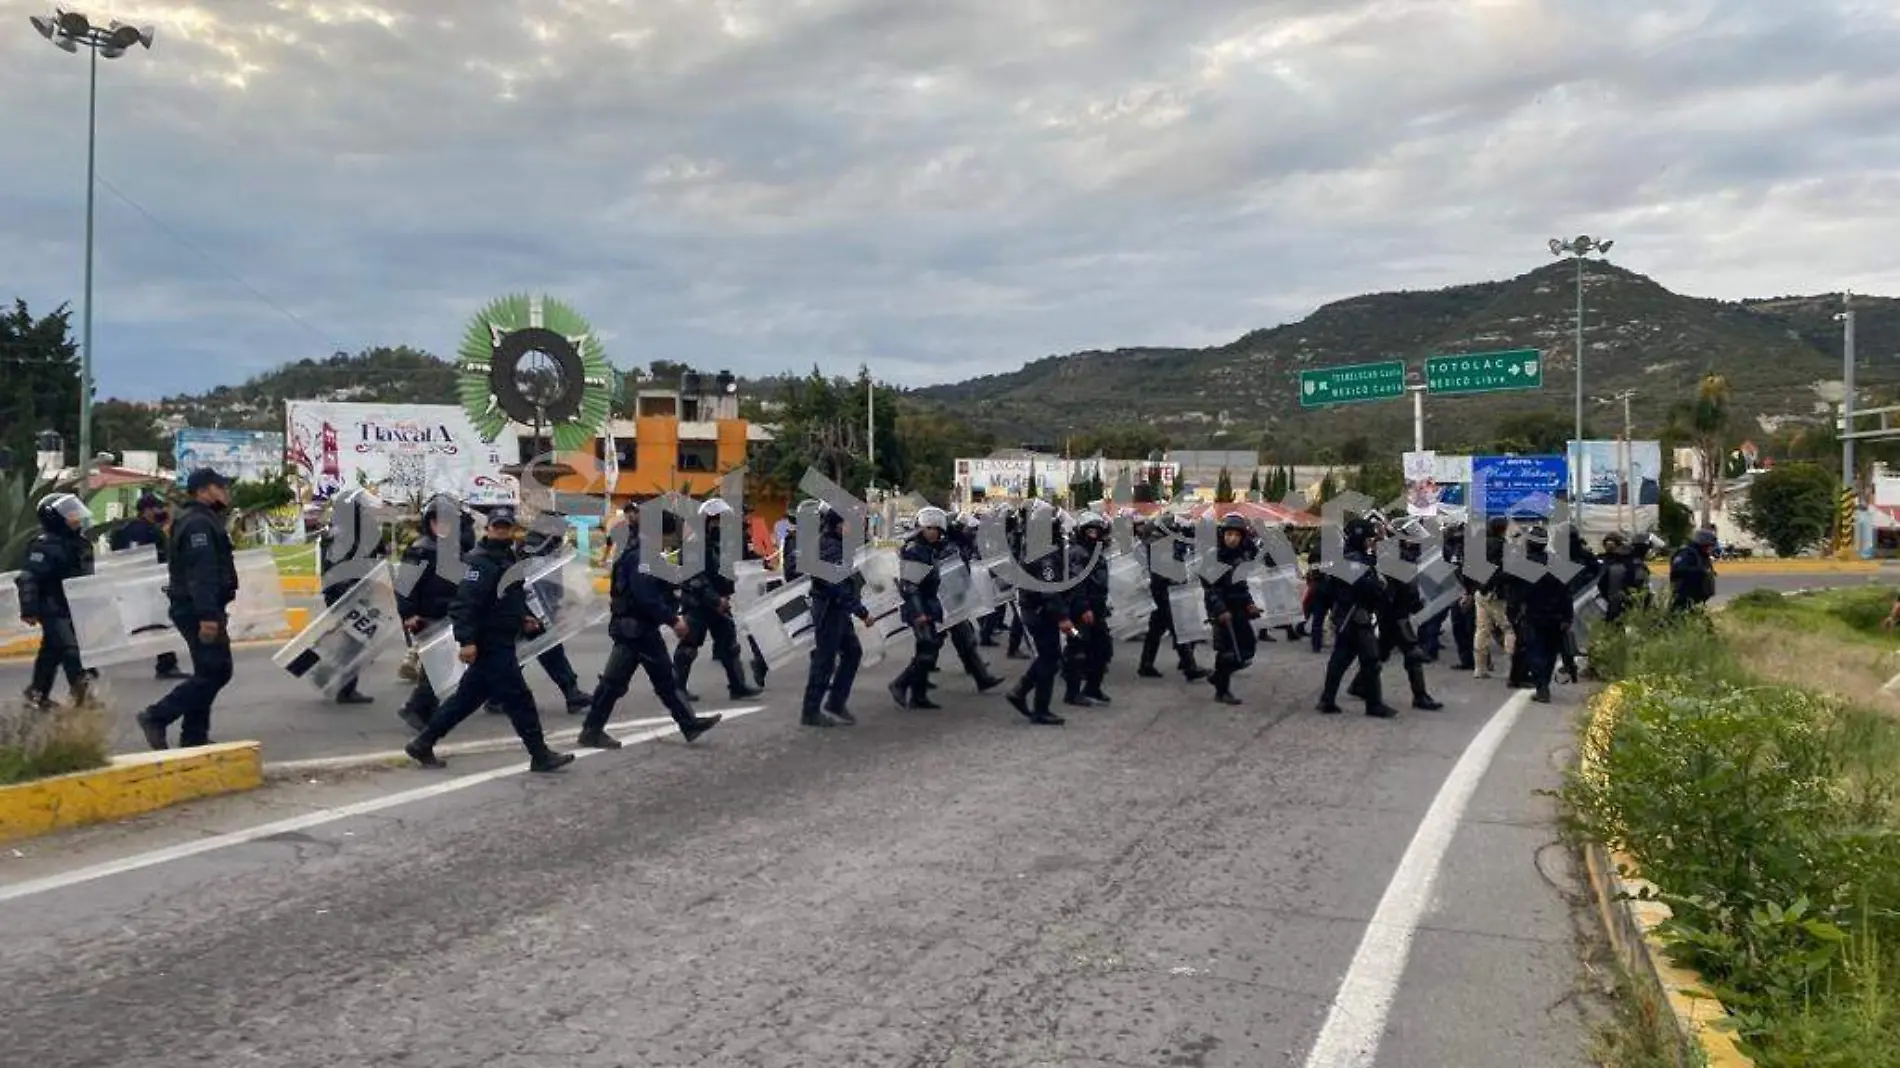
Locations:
1520 487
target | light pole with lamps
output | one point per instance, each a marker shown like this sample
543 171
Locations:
68 30
1578 248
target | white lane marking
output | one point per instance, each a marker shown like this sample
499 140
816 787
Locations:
312 819
1356 1023
485 745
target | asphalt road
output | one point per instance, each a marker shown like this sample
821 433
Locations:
295 724
1166 881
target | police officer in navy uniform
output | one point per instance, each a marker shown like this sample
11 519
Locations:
642 606
836 650
57 553
425 588
1042 606
1547 614
1358 604
1164 535
1230 607
1092 646
346 551
148 528
489 614
917 583
961 544
203 583
707 602
1692 573
1397 632
546 537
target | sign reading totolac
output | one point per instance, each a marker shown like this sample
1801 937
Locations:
1485 372
1350 385
399 452
239 455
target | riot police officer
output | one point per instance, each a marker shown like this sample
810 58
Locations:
203 583
148 528
489 614
1165 536
917 583
706 600
426 579
1624 581
1230 606
59 551
1397 632
346 552
1092 646
836 650
808 511
1358 603
1042 608
1546 614
641 606
1464 612
960 543
1692 573
546 537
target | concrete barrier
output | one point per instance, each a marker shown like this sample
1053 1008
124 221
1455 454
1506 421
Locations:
129 786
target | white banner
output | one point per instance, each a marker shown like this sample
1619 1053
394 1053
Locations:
399 452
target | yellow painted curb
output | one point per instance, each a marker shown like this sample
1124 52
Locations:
129 786
299 585
1631 923
1796 567
297 618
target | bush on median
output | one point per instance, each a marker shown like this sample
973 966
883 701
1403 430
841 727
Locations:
1770 815
37 744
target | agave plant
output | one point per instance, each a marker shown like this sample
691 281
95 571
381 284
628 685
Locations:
20 492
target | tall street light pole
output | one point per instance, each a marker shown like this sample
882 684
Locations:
1849 476
68 30
1577 248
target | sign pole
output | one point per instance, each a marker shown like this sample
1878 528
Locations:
1418 418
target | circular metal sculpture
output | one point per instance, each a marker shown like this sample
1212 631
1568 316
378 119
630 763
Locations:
534 360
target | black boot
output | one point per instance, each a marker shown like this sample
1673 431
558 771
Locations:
422 750
736 687
597 740
900 686
841 714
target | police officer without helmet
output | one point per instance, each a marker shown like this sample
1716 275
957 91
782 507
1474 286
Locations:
489 613
58 552
147 527
203 582
641 606
426 580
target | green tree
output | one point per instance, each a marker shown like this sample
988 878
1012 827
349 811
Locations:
1253 486
1224 488
820 425
1328 489
932 440
1381 480
1539 433
1790 506
40 364
119 426
1356 449
1701 423
1180 483
1126 441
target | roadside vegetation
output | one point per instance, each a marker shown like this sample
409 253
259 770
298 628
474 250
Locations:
37 744
1751 767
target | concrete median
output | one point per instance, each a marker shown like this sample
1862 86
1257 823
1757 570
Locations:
129 786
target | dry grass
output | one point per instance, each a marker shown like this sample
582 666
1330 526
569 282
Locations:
36 744
1830 642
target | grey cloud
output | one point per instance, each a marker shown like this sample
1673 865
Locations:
936 189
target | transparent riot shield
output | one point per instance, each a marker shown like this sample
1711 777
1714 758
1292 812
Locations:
123 616
955 592
1187 609
780 624
258 611
1129 602
11 629
440 658
1589 609
887 626
1277 590
132 556
1439 589
751 581
879 568
561 597
349 636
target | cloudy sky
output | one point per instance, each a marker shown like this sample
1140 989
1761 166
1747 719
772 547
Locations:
936 187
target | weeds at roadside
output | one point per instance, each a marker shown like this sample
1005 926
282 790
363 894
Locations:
1642 1033
36 744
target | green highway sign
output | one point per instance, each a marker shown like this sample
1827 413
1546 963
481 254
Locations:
1348 385
1485 372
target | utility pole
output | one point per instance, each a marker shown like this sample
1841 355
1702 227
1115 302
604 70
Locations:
1849 476
1418 418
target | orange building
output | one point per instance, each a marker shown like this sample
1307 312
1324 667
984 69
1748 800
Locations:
680 440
